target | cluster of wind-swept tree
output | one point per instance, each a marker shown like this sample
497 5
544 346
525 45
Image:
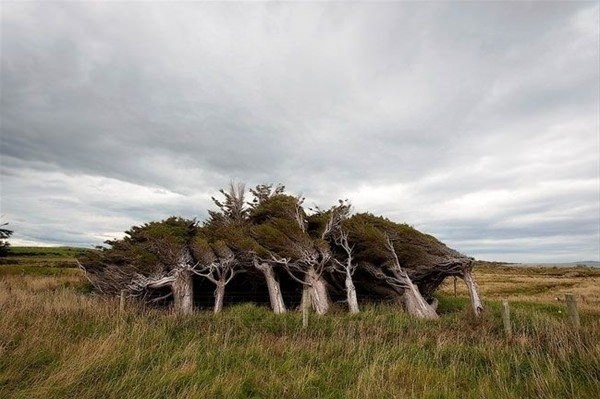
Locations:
322 253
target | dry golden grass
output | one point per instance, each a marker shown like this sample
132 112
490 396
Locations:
539 284
59 341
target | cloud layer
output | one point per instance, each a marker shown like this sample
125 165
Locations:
478 123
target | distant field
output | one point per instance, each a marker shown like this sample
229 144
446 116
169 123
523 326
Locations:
46 252
58 340
536 284
24 258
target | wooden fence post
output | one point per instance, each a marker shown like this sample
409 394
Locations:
572 309
506 318
122 301
305 306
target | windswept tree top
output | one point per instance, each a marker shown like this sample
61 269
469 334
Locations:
150 249
414 248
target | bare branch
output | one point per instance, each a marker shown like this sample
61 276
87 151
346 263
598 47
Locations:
85 274
392 250
328 227
160 298
208 275
298 214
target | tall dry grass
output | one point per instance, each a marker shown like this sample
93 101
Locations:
536 284
58 341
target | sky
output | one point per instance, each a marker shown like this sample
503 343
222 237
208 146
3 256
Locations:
478 123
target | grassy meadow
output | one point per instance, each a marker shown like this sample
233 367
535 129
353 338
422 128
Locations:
59 340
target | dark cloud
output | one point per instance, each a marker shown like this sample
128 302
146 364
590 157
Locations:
477 122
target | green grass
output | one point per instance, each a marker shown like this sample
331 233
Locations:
42 257
35 270
46 252
56 341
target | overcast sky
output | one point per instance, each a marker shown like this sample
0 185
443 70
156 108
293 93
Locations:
475 122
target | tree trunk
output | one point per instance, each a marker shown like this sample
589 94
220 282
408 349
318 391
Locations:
275 296
219 296
414 302
183 292
351 294
473 292
416 305
318 292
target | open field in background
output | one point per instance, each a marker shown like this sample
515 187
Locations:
534 284
40 260
57 340
46 252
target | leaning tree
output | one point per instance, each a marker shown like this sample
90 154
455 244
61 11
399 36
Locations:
328 227
412 264
230 226
149 257
217 263
280 226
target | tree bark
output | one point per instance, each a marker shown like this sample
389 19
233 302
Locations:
414 302
183 292
275 295
351 295
219 296
318 292
416 305
473 292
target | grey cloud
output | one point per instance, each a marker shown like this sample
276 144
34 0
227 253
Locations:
426 103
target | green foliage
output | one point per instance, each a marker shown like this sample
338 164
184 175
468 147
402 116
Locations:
151 248
202 250
282 237
280 206
236 236
277 226
320 219
263 192
232 210
174 231
368 239
369 233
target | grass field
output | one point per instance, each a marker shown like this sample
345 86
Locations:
58 340
38 260
45 252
